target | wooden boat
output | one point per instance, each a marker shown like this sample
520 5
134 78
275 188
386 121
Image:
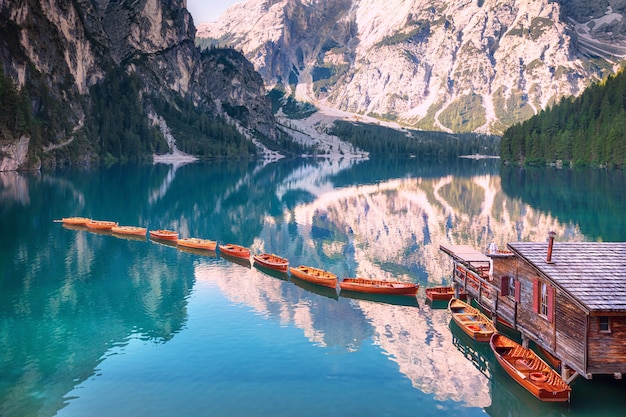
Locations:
235 251
474 323
164 234
314 275
74 221
129 230
443 294
375 286
272 261
100 224
196 243
528 370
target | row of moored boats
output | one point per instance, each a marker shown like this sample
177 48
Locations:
521 363
310 274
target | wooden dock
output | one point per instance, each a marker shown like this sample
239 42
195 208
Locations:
471 273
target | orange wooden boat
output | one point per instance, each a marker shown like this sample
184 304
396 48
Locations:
164 234
129 230
443 294
196 243
75 221
528 370
474 323
375 286
272 261
235 251
100 225
314 275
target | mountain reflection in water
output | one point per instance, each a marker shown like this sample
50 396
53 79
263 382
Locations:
76 307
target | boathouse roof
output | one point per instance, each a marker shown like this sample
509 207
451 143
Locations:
593 273
465 254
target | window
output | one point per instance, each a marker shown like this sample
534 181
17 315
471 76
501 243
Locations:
543 299
510 287
604 324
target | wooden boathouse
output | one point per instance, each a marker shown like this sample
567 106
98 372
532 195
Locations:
569 298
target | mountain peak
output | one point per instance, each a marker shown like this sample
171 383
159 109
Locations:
451 65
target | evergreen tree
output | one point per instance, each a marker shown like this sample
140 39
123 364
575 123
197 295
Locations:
588 130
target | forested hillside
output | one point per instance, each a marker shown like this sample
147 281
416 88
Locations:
90 82
588 130
428 146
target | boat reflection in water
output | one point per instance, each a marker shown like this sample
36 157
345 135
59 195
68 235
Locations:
236 259
78 227
437 304
136 238
418 341
317 289
164 242
381 298
200 252
324 321
476 353
272 272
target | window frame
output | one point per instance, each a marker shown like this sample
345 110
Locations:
544 300
601 324
513 287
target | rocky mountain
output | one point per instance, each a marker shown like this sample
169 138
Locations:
74 71
451 65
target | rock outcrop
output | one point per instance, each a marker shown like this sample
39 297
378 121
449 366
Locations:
58 51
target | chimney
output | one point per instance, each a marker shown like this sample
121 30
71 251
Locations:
550 244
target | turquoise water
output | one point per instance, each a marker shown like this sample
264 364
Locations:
91 324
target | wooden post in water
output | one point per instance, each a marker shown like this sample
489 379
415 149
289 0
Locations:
525 340
494 313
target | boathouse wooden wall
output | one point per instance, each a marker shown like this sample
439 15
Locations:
564 336
570 327
505 267
607 350
537 327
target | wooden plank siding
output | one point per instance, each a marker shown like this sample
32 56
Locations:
607 350
505 266
570 327
530 323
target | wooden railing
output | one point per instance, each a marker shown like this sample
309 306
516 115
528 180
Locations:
475 281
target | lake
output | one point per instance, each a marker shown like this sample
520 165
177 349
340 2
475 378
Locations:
92 324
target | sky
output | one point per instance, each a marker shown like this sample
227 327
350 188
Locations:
208 10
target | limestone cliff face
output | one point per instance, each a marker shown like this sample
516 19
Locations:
453 65
61 49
